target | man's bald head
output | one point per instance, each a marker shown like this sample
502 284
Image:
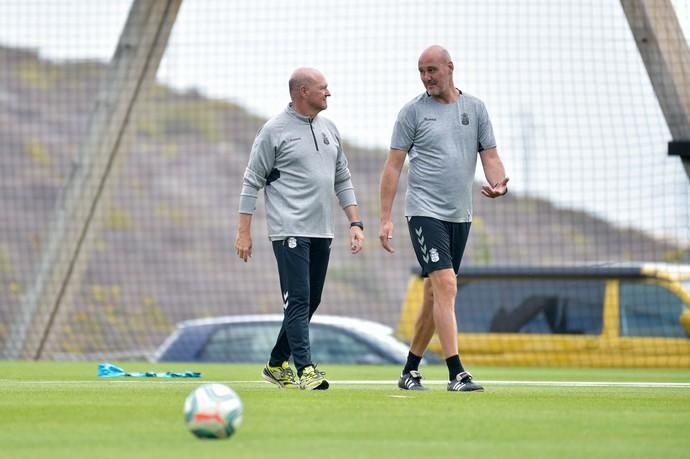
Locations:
436 72
308 91
303 77
436 53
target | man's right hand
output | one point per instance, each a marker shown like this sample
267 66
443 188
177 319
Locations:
386 235
243 245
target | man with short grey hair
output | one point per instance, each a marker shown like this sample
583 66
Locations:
441 132
298 159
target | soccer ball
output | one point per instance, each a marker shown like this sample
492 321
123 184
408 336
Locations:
213 411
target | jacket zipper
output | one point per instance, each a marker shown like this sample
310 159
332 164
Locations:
313 135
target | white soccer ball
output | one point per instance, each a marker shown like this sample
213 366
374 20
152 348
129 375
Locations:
213 411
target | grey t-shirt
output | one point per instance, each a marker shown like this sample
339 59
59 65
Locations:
305 162
442 142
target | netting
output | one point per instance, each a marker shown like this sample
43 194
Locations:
577 123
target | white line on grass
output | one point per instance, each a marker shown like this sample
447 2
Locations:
655 385
546 383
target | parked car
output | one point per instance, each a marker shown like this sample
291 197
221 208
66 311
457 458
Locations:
629 315
250 338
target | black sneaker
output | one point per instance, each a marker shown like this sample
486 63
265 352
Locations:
463 383
411 381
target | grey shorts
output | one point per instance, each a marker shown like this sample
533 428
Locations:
438 244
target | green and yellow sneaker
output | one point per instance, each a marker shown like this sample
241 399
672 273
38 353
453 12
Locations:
312 379
282 376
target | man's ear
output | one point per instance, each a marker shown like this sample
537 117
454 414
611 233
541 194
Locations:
451 66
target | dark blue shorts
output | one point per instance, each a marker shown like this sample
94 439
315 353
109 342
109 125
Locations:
438 244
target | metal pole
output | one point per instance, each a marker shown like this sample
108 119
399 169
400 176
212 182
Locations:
131 70
664 50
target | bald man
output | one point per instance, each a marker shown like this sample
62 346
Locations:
441 131
298 159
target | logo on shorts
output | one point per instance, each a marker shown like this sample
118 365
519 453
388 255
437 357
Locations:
422 246
465 119
434 255
292 242
325 138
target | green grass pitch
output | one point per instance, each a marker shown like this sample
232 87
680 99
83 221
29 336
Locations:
62 410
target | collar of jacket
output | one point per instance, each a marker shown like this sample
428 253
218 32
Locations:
291 111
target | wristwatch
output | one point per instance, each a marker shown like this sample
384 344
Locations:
359 225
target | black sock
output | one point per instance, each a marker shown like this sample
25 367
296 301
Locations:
412 363
454 366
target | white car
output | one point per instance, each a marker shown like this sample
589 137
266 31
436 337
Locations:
250 338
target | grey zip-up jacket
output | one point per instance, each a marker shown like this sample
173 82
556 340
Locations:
300 162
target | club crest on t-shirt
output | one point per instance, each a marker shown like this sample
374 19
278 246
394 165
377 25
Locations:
465 119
